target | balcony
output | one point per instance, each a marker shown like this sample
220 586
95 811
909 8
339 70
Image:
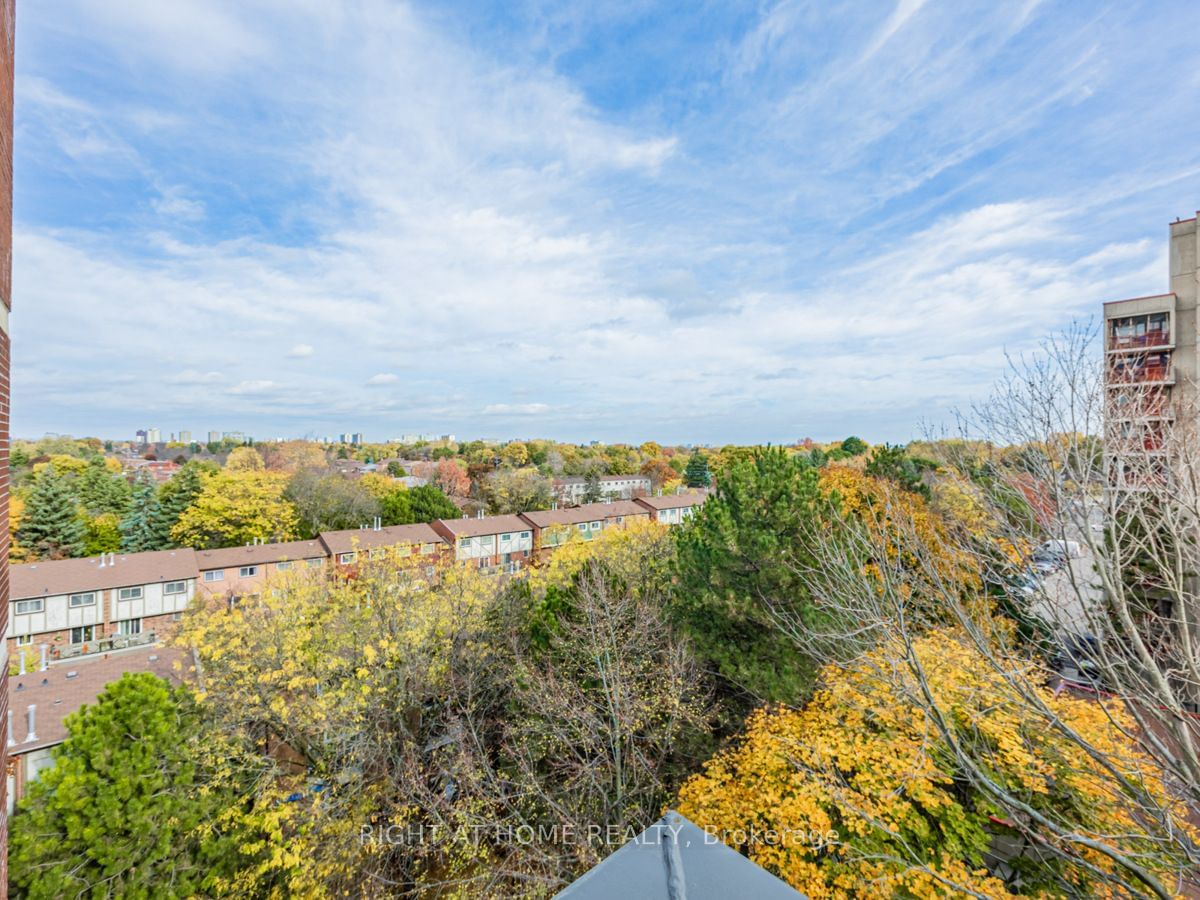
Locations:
1150 340
1136 376
105 644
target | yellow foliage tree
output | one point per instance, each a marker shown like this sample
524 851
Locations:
861 793
237 508
244 459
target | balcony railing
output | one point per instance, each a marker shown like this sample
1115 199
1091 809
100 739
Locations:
105 644
1141 375
1117 343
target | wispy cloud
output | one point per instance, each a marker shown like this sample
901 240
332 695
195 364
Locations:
755 224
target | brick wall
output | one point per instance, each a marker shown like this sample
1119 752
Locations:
7 35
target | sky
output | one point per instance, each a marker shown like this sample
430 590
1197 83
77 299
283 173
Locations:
724 222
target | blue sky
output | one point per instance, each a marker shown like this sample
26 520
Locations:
693 222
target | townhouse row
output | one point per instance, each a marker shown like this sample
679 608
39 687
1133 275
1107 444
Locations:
74 607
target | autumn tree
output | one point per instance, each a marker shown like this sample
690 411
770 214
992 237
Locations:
244 459
101 534
129 806
517 490
868 791
293 456
330 502
50 527
236 508
451 478
659 472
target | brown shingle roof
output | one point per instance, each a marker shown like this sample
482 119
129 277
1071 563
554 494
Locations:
61 695
674 501
258 554
485 525
66 576
367 538
589 512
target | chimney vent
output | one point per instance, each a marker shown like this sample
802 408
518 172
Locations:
72 674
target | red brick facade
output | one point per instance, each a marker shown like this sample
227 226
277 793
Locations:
7 35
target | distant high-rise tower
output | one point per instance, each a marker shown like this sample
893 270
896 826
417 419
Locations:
7 33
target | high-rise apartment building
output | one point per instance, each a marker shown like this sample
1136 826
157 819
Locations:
7 33
185 437
1151 364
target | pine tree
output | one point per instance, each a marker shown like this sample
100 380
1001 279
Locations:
51 527
142 528
127 808
176 496
591 488
100 491
696 474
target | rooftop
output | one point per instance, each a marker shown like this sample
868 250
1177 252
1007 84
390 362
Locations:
57 696
589 512
258 554
485 525
368 538
674 501
66 576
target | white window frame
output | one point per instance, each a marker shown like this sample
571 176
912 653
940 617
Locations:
348 557
171 588
24 640
129 627
314 563
75 601
130 593
247 571
214 575
283 566
28 607
82 628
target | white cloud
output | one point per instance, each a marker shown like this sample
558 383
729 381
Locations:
173 204
515 409
253 387
300 351
383 378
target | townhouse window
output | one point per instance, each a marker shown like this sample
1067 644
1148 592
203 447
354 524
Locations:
215 575
247 571
426 549
526 535
283 566
175 587
347 557
76 600
134 593
595 526
377 553
620 520
506 538
24 607
82 634
24 640
314 563
582 526
129 626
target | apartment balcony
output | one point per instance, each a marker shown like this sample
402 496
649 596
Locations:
1141 376
1151 340
105 644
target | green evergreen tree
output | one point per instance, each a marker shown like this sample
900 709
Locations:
696 474
51 527
741 562
142 528
177 495
427 503
125 810
591 488
100 491
854 446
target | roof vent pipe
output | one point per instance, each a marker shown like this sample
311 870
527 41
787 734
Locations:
11 740
32 716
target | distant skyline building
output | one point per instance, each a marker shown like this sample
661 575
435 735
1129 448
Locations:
357 439
214 437
139 436
185 437
153 436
